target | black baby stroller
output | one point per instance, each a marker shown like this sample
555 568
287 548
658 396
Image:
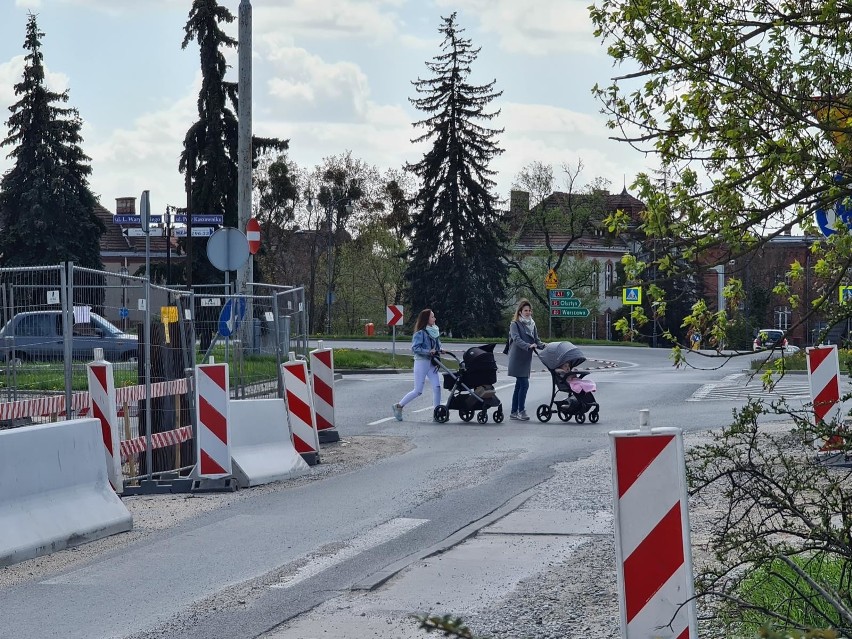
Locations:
471 387
561 358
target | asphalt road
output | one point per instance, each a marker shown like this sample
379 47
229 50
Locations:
289 551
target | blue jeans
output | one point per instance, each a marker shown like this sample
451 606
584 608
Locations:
519 396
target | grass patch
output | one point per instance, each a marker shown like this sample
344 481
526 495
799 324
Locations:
777 588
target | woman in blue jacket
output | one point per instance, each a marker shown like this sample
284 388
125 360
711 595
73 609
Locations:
425 344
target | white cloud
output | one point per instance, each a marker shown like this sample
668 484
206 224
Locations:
542 27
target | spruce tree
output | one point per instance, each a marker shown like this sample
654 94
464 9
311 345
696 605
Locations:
209 158
456 258
47 210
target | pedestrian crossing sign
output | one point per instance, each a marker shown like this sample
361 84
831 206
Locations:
631 295
845 294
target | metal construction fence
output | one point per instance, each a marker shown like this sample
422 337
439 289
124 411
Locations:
54 317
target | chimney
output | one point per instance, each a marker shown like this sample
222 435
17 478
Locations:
519 203
125 206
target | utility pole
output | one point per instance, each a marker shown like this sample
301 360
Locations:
245 274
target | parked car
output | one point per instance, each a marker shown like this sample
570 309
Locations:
767 338
37 336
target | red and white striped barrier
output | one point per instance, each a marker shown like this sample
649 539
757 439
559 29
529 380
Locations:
322 382
653 549
212 443
158 440
55 404
824 380
102 402
300 409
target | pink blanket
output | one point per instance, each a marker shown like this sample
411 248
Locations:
579 385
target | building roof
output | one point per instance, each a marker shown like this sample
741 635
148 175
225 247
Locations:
115 244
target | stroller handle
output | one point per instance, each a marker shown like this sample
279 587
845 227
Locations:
437 356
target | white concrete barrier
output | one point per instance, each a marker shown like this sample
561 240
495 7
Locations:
261 448
54 490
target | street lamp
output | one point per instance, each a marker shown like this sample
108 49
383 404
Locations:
329 209
720 286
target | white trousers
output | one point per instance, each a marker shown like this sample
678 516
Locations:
424 368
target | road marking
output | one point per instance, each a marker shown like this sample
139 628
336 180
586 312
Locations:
423 410
375 537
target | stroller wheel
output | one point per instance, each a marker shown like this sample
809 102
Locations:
441 414
498 416
564 415
580 417
482 416
466 415
594 416
543 413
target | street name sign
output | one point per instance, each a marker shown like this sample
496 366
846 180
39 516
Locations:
135 219
197 231
200 219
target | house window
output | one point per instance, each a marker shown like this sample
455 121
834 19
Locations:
596 278
783 317
608 279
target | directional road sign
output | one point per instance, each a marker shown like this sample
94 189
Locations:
140 232
394 315
563 302
560 292
631 295
231 315
569 312
135 219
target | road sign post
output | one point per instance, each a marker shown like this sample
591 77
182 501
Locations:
394 313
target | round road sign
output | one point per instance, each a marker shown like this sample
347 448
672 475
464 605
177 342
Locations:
228 249
253 235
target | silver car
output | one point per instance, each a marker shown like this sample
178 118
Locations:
38 336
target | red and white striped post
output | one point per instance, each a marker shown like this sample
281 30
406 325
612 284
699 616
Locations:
653 550
102 405
322 383
824 380
212 442
300 409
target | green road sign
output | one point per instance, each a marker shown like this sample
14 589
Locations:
569 312
557 293
571 302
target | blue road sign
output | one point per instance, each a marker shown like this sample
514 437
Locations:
631 295
200 219
231 316
123 313
826 218
136 219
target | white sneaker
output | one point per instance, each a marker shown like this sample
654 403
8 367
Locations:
522 415
397 412
513 416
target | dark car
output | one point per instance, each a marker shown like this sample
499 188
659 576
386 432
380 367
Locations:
37 336
768 338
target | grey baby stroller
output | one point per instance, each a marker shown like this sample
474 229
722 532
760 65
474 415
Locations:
572 394
471 387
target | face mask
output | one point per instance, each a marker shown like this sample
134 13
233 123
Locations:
433 331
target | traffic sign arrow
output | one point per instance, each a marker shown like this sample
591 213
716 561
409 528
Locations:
571 302
394 314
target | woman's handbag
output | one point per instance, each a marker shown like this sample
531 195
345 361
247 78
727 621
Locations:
508 344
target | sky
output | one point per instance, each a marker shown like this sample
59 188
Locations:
329 75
